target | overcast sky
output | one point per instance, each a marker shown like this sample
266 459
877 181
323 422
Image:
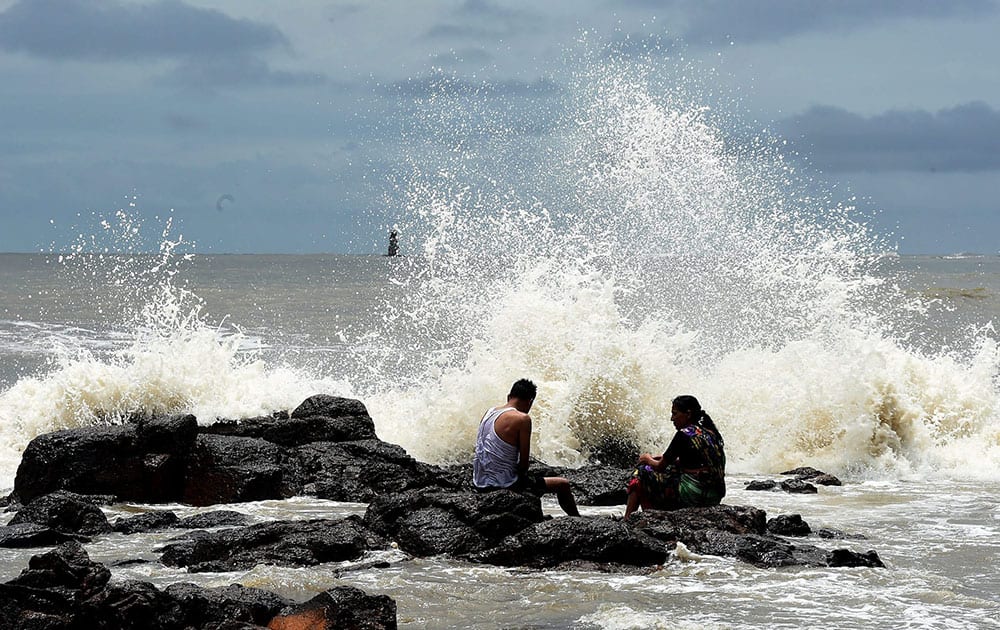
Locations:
295 109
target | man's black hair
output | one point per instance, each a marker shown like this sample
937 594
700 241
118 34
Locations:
523 389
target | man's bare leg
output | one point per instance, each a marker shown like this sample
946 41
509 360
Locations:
560 485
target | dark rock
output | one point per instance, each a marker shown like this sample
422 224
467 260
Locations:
848 558
593 484
788 525
65 512
577 538
284 543
215 518
146 522
826 480
225 469
166 434
26 535
613 451
807 473
792 486
165 459
683 524
66 571
362 470
456 477
228 603
836 534
65 590
329 406
732 531
459 523
340 607
296 431
804 472
757 549
142 461
131 604
797 486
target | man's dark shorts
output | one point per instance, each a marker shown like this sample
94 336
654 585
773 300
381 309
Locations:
529 482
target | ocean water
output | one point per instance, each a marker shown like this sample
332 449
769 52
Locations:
640 250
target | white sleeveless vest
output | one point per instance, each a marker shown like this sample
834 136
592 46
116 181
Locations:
494 464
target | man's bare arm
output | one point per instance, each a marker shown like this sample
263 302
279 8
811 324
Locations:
524 444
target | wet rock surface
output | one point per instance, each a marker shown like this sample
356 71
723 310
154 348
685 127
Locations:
65 589
561 541
285 543
65 512
741 532
458 523
327 448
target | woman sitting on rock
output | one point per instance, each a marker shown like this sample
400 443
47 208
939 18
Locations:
691 472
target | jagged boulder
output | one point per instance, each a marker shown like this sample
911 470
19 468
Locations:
682 525
740 532
459 523
791 486
284 543
319 418
225 469
45 595
810 474
359 471
234 603
146 522
65 589
65 512
788 525
27 535
141 461
571 539
215 518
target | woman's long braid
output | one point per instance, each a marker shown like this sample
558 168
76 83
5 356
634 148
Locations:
706 421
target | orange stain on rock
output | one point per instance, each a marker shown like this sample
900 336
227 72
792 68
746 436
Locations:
308 620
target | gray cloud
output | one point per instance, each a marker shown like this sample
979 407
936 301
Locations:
483 19
474 56
233 71
438 84
342 12
965 138
108 29
492 10
769 20
714 22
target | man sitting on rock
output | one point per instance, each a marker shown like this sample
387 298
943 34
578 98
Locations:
502 447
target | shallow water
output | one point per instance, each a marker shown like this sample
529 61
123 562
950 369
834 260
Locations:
938 540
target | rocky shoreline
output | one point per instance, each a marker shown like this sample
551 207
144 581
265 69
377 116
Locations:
327 448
